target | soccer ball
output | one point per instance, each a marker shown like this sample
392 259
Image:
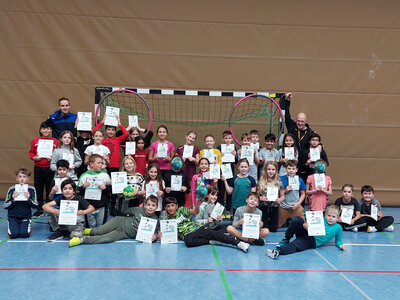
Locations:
320 167
129 192
201 191
176 164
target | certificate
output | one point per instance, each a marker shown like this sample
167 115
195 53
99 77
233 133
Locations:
146 230
133 121
217 211
374 212
176 182
269 156
169 229
130 148
215 171
118 182
319 180
151 189
69 157
226 150
255 145
251 226
289 152
68 212
98 150
316 225
162 150
57 182
21 189
45 148
226 171
209 154
187 151
314 154
294 182
347 213
84 121
272 193
248 152
206 175
93 192
111 116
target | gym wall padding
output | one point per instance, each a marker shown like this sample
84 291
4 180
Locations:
339 58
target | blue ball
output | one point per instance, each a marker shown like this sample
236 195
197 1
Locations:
201 191
176 164
320 167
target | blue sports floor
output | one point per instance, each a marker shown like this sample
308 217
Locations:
35 269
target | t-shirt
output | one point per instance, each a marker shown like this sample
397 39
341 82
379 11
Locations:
282 168
217 158
268 155
331 231
98 149
98 178
292 196
189 167
241 189
353 204
185 225
264 192
178 195
141 158
239 214
83 204
319 200
161 162
366 209
131 224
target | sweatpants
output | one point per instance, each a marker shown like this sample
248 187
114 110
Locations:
109 232
19 227
227 202
43 178
270 217
380 225
202 236
71 230
114 205
302 241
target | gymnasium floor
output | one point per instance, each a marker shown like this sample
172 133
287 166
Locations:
35 269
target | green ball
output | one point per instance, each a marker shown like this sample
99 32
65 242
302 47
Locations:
129 192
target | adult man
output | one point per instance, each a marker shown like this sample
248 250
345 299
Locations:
63 119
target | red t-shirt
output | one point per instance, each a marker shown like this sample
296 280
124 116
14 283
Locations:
141 158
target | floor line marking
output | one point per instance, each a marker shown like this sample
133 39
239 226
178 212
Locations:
225 283
343 275
215 255
390 237
105 269
312 271
5 218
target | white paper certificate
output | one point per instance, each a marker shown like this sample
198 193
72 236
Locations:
176 182
319 180
21 189
315 220
217 211
146 230
57 182
151 189
314 154
111 116
130 148
187 151
68 212
133 121
255 145
272 193
347 213
248 152
251 226
294 182
215 171
45 148
226 171
289 152
118 182
226 150
93 192
85 121
162 150
374 212
209 154
69 157
169 229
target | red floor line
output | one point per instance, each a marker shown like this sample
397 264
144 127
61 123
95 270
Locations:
315 271
103 269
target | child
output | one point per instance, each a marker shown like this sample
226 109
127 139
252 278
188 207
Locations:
19 211
177 171
241 185
190 163
253 169
303 241
66 150
98 148
68 188
99 182
255 142
315 143
153 177
204 165
83 141
318 194
268 153
62 172
120 227
235 229
206 208
141 156
134 179
288 142
347 200
382 223
270 207
213 156
294 195
134 132
42 175
193 233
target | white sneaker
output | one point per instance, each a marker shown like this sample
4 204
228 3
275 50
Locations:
354 229
213 242
272 253
389 228
371 229
243 246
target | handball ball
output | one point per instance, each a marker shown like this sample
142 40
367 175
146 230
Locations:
129 192
320 167
176 164
201 191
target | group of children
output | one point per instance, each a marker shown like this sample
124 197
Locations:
266 184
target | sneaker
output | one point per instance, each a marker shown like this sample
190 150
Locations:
214 242
227 216
284 241
354 229
389 228
272 253
371 229
243 246
75 241
259 242
87 231
38 214
55 236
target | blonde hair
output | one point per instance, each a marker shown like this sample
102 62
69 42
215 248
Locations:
333 208
264 180
128 157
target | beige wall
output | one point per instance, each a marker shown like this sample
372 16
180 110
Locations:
339 58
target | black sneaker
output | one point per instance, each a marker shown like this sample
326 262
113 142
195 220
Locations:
259 242
55 236
38 214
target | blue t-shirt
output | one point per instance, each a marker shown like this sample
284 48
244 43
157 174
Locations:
292 196
241 189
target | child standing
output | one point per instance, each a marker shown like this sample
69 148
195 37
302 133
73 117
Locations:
19 201
134 179
255 142
270 207
253 169
190 163
98 148
268 153
83 141
288 143
318 193
348 201
176 173
154 179
315 143
303 241
198 178
213 155
141 156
